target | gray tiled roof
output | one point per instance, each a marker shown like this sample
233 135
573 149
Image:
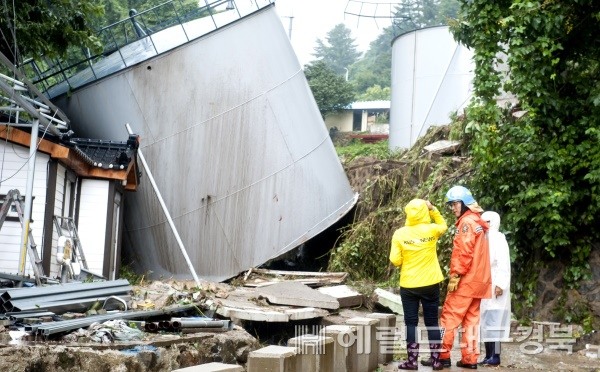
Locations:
106 154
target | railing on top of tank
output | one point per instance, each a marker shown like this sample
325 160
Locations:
47 73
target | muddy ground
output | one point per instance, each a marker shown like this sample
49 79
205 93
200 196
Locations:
513 358
525 353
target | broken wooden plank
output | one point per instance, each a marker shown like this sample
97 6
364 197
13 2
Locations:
264 277
300 273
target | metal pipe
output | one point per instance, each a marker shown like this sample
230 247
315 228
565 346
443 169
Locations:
166 211
21 315
29 107
201 323
31 87
164 325
116 299
29 200
151 327
47 329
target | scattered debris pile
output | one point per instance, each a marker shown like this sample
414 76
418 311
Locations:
109 311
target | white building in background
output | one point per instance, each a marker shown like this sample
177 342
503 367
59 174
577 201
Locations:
431 79
362 116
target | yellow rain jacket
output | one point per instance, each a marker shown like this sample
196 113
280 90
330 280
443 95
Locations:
414 246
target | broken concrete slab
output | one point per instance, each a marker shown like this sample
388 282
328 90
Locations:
390 300
297 294
306 313
256 315
443 147
244 304
346 296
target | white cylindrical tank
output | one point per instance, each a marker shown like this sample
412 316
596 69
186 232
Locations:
235 142
431 78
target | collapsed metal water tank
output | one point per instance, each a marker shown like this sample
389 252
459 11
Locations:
235 141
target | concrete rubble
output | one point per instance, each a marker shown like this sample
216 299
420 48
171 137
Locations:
179 326
297 294
389 300
346 296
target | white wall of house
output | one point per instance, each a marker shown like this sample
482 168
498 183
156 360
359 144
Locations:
13 174
93 201
341 120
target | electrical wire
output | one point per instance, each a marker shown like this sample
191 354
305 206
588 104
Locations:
28 158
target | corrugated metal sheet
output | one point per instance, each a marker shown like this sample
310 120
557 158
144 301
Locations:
431 78
235 142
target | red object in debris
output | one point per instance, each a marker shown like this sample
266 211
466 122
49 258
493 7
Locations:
370 138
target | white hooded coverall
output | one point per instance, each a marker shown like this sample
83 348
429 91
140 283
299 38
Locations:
496 312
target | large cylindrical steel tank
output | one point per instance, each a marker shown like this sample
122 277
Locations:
235 141
431 78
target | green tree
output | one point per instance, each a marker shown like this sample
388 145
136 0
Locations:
375 68
415 14
331 91
541 171
376 93
34 27
339 51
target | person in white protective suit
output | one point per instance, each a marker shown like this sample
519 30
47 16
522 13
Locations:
495 312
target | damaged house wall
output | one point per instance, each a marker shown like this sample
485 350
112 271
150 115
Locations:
13 174
93 203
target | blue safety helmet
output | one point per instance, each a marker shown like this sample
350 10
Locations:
460 193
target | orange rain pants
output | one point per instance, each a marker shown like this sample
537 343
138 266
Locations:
459 310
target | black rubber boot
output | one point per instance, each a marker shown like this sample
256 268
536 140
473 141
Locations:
489 351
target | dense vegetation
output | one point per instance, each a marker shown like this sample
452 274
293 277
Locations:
542 171
33 28
72 29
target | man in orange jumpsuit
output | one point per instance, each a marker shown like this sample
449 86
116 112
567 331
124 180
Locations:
470 279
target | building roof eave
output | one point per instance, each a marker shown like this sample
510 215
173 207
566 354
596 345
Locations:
71 158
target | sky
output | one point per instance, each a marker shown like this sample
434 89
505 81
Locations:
313 19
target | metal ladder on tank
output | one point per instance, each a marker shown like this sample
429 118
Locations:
13 197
